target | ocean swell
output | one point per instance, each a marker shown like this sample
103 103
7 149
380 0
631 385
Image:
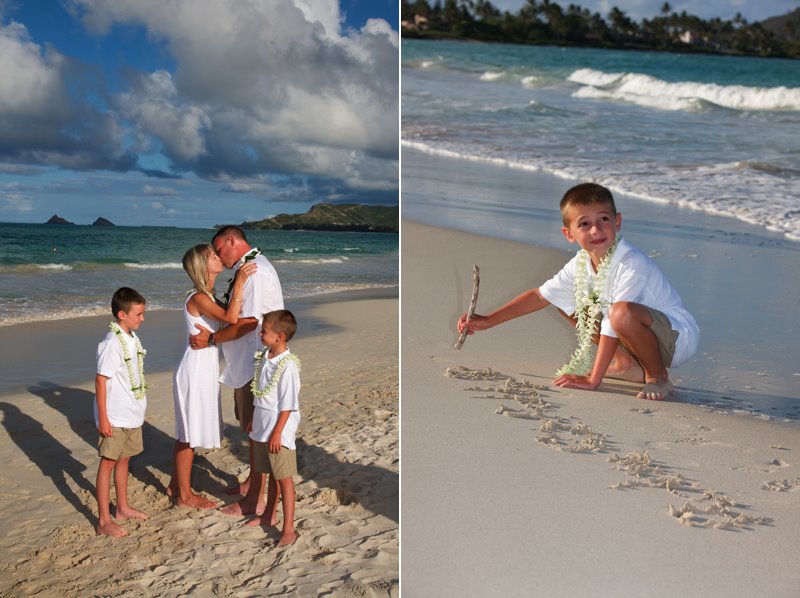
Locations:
651 92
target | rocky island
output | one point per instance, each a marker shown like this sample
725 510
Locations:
56 219
329 217
102 222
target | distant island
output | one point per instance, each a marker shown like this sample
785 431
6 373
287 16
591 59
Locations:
56 219
329 217
547 23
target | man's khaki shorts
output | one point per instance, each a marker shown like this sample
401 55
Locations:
123 442
667 337
243 405
281 465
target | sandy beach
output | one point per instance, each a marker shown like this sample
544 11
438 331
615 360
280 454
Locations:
512 487
347 493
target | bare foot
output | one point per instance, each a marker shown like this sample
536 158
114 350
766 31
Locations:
624 367
243 507
111 529
256 521
238 488
287 539
196 501
131 513
656 390
263 521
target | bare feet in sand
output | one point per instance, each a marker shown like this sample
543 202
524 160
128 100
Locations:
656 390
126 513
287 539
243 507
624 367
263 521
111 529
196 501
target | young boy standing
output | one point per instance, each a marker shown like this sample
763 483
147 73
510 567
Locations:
119 407
613 289
276 386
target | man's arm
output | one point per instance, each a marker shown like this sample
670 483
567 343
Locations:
229 333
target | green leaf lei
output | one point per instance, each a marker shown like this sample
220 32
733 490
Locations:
138 391
589 305
261 393
250 255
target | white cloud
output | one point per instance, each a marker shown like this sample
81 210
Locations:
263 87
40 120
15 202
158 191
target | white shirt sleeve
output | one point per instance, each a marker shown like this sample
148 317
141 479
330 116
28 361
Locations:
289 388
109 358
560 290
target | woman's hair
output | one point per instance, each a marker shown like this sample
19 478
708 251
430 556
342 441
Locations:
195 262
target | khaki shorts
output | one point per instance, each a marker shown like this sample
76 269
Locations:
243 405
667 337
123 442
280 465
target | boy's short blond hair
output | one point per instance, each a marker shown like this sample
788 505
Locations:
586 194
124 299
282 321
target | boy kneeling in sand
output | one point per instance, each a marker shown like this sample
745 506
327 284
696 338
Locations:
119 406
276 415
611 286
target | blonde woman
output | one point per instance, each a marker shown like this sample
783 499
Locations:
196 394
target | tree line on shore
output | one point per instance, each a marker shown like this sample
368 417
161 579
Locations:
546 22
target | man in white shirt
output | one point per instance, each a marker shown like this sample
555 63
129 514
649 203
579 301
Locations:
240 341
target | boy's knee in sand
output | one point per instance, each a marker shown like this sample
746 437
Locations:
617 297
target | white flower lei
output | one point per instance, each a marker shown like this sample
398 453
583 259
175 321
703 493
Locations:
138 391
261 393
589 306
250 255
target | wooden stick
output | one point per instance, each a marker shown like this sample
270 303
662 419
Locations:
476 282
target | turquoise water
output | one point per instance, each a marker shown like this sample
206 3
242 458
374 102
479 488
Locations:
60 271
715 134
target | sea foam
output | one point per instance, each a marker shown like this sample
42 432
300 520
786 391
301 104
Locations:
651 92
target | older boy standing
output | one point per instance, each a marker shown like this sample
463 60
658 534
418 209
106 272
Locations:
240 341
119 408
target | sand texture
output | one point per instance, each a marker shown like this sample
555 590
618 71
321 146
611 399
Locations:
513 487
347 492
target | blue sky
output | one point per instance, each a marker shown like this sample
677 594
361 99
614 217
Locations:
197 112
752 10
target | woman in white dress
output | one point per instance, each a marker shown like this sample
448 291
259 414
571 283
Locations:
196 394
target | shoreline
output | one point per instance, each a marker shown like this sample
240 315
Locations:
737 280
347 492
22 343
649 491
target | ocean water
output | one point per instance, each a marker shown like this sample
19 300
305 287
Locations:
52 272
715 134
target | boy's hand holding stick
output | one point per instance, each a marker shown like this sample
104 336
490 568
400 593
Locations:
476 281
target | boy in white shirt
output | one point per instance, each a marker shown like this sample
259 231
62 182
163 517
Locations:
617 298
119 407
276 415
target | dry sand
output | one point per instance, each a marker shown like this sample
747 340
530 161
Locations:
347 492
512 487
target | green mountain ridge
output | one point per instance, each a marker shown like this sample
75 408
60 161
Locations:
330 217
